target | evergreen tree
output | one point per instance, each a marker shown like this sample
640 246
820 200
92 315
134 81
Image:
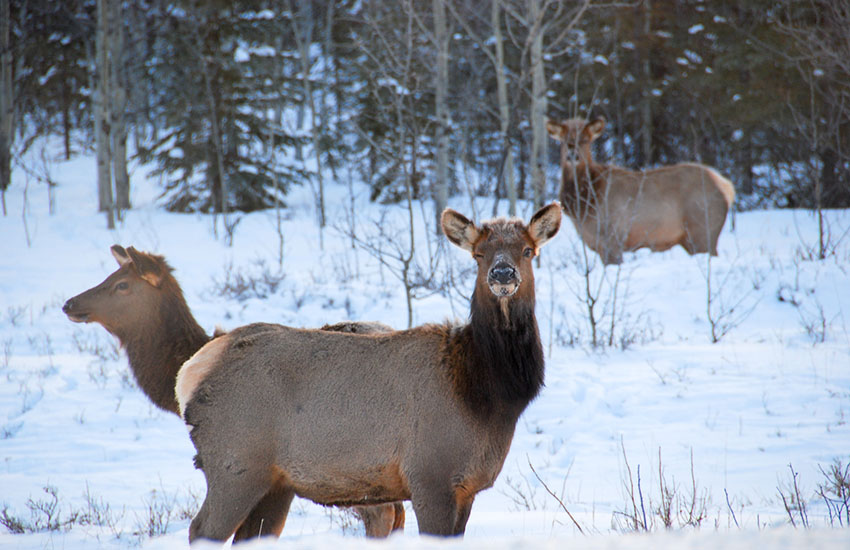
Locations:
219 80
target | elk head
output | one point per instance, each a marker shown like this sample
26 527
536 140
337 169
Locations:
503 250
575 135
122 298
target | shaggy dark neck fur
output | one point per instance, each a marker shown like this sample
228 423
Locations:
502 365
157 348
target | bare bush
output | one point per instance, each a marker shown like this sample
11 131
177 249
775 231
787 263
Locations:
610 316
160 509
812 314
44 515
396 248
729 298
99 513
795 506
260 281
672 507
835 492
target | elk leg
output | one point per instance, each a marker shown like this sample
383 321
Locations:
436 511
381 519
268 516
229 500
398 517
612 256
464 507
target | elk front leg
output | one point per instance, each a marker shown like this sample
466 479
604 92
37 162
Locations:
268 517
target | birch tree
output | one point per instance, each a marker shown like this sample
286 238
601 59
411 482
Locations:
505 108
538 102
302 27
101 114
6 101
118 106
441 85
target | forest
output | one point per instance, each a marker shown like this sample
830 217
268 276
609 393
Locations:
232 103
285 159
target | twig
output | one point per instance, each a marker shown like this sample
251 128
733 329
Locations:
729 505
548 490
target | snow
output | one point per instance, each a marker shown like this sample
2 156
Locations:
731 418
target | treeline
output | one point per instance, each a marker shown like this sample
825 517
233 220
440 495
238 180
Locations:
233 102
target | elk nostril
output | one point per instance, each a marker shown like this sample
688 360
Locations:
68 305
503 274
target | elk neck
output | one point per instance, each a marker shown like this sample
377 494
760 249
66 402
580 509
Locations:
159 345
501 357
580 183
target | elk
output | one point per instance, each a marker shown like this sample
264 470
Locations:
143 306
616 210
425 414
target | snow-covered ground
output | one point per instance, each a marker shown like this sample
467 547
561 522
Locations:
717 425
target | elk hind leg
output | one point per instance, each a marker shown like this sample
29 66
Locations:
268 517
717 224
695 238
398 516
381 519
226 506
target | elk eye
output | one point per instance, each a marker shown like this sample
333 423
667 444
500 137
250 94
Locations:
528 252
478 255
122 286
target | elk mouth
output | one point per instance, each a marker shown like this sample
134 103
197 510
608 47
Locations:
503 290
503 279
74 316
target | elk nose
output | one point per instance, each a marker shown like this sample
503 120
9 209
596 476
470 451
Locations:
502 273
69 305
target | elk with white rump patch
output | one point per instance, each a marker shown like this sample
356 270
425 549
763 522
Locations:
142 305
425 414
616 210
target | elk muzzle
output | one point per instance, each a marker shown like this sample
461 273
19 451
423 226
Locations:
503 279
70 309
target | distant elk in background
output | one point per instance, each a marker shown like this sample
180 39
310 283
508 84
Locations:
142 305
616 210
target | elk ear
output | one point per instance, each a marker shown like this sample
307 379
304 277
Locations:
555 130
148 269
594 129
459 230
545 224
119 254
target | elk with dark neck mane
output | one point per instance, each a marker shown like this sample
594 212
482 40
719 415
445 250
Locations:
425 414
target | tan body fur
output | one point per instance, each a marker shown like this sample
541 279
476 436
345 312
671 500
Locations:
616 210
418 414
143 306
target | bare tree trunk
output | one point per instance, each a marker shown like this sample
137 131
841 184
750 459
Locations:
646 107
329 62
6 101
303 39
101 115
218 146
441 180
538 105
504 112
217 177
118 108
